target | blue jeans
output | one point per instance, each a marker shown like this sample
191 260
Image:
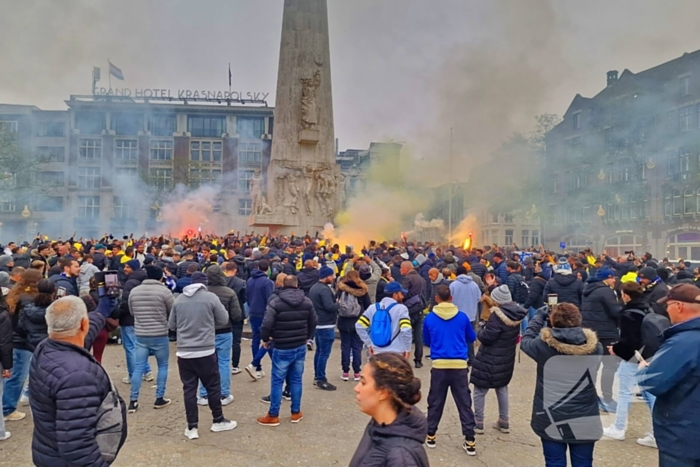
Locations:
286 362
555 454
145 347
627 373
324 345
13 386
523 325
129 343
258 352
667 460
223 343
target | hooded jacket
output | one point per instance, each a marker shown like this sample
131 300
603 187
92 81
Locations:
227 297
33 321
258 290
373 280
238 285
567 287
133 280
417 289
323 299
494 363
195 315
465 295
398 444
631 318
655 291
478 269
542 345
501 272
87 272
448 332
290 319
401 329
360 292
150 303
673 376
68 283
307 277
535 297
600 309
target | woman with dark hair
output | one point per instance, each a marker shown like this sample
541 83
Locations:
388 392
33 320
21 295
564 414
350 342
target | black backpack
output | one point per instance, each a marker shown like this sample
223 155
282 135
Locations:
653 326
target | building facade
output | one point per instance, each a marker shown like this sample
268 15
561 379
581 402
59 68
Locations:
521 229
355 165
623 167
108 164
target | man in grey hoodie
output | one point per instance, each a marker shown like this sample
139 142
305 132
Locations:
466 296
195 315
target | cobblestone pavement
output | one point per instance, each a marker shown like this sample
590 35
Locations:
331 429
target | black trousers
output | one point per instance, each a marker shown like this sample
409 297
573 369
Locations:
205 369
457 381
607 375
417 328
237 328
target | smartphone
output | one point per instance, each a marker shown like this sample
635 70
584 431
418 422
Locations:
552 299
107 283
60 292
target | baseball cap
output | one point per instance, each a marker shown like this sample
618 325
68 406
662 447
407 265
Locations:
687 293
394 287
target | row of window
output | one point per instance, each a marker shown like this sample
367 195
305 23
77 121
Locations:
528 238
128 123
677 203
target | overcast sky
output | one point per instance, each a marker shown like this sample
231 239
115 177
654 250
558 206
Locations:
402 69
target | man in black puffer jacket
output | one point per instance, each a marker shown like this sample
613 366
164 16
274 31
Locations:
494 363
290 320
600 312
68 386
536 298
308 276
565 285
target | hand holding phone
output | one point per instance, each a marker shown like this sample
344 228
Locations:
642 363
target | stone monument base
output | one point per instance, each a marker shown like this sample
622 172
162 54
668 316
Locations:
285 224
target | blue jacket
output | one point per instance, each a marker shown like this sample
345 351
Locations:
674 378
447 331
258 290
501 272
466 295
67 283
183 282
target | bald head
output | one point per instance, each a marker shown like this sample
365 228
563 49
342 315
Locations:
406 267
309 263
433 273
279 280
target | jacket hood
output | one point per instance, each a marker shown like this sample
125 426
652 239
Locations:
564 280
292 297
139 275
411 425
239 260
445 310
593 285
439 279
465 279
639 304
215 275
570 341
35 314
510 313
192 289
354 289
257 273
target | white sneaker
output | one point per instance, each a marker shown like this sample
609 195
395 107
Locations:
235 370
250 369
613 433
14 416
192 434
648 441
7 435
227 400
202 401
259 374
225 425
126 380
148 377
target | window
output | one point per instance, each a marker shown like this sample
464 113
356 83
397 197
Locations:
616 246
50 129
244 178
525 238
509 237
249 153
50 153
248 127
577 120
126 149
672 121
9 126
688 201
684 246
674 164
90 123
494 218
124 208
245 207
90 148
127 123
494 237
205 151
684 159
131 172
204 176
668 206
7 205
206 126
8 180
162 125
49 204
89 207
161 178
89 177
677 208
484 237
535 237
161 150
508 219
685 119
50 179
684 83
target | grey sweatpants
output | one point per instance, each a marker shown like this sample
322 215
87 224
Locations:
479 396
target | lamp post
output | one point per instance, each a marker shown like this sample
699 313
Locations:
449 206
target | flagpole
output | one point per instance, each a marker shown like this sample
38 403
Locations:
109 74
229 79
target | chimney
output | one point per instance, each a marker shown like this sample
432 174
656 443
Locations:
612 77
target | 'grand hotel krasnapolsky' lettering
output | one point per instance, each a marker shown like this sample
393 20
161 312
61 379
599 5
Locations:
182 94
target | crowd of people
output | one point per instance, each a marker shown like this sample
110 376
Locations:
578 316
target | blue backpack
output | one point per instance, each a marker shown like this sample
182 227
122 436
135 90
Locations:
380 330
